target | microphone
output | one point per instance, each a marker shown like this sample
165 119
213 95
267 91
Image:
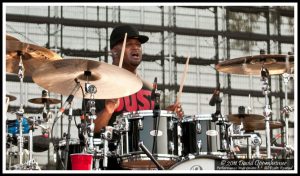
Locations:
213 100
154 89
66 103
273 142
69 99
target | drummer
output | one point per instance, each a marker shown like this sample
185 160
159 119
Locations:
107 110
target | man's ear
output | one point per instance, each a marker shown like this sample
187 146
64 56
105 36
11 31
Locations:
114 53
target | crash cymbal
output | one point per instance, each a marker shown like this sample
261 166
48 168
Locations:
246 118
111 81
9 37
11 97
260 125
251 65
33 56
44 100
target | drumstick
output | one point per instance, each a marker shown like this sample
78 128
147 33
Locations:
123 51
183 79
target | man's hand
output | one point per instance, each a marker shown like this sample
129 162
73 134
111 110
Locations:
111 105
177 109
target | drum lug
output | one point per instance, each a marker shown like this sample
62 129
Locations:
140 125
171 146
199 145
171 125
198 127
179 131
126 125
179 148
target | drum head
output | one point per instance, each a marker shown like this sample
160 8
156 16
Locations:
207 162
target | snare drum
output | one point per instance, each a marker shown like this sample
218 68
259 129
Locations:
199 135
140 126
203 162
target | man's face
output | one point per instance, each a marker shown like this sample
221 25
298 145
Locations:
132 56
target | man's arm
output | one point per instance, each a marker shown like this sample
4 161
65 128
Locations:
104 116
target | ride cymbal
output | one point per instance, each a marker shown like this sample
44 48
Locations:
260 125
110 81
33 56
251 65
11 97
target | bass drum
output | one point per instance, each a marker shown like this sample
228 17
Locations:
203 162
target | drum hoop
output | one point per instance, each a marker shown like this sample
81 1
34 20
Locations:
145 113
196 118
71 142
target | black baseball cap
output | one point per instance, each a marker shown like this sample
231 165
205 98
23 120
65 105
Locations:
118 35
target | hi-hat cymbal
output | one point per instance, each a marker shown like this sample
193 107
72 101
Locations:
33 56
245 118
260 125
44 100
251 65
11 97
111 81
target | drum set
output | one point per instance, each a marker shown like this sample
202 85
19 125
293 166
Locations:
140 140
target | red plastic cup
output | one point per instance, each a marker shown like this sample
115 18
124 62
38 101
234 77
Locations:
81 161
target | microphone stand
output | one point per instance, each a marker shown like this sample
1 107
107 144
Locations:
146 151
156 116
69 126
222 125
68 138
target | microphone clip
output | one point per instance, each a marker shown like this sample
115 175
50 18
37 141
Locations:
215 97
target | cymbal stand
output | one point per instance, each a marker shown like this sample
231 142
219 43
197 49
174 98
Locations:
267 109
20 112
91 89
286 109
106 136
31 164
